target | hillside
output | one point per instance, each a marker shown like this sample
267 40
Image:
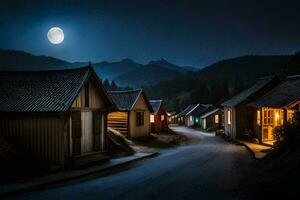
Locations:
152 73
111 70
244 69
147 75
20 60
216 82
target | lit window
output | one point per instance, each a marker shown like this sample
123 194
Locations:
258 117
216 119
191 118
228 117
162 117
152 118
290 115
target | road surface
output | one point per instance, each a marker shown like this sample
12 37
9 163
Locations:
208 169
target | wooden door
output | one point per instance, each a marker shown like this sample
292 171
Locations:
76 132
267 133
270 132
87 138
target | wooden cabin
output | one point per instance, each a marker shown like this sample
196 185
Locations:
212 120
58 116
172 117
181 117
159 117
133 115
276 108
193 117
238 115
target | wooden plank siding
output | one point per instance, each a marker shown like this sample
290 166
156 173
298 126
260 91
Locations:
95 100
42 135
118 121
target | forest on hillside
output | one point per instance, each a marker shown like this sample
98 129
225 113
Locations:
222 80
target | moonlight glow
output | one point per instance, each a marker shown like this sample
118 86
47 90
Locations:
55 35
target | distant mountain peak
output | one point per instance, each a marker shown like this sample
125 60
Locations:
161 61
127 60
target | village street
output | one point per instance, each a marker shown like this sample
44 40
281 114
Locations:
210 168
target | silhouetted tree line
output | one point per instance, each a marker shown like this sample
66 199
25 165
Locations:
112 86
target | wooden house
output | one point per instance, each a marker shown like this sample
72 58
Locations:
172 117
190 116
212 120
193 117
181 117
58 116
238 115
133 115
159 117
276 108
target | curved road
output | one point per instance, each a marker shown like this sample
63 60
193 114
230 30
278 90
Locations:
208 169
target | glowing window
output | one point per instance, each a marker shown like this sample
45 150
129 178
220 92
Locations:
162 117
216 119
191 118
228 117
290 115
152 118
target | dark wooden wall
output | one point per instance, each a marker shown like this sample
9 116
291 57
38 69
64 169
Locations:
40 134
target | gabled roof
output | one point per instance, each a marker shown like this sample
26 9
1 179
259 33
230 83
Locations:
156 104
287 92
210 113
125 100
200 109
255 88
44 91
186 110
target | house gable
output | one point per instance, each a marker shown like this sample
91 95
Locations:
140 104
97 97
95 100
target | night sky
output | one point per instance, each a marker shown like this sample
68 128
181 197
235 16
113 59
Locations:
184 32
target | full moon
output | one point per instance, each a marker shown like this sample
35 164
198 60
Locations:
55 35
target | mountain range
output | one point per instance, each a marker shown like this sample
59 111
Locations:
177 86
125 72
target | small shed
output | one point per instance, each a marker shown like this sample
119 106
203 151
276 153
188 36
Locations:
172 117
193 117
133 116
58 116
238 115
181 117
212 120
159 117
276 108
